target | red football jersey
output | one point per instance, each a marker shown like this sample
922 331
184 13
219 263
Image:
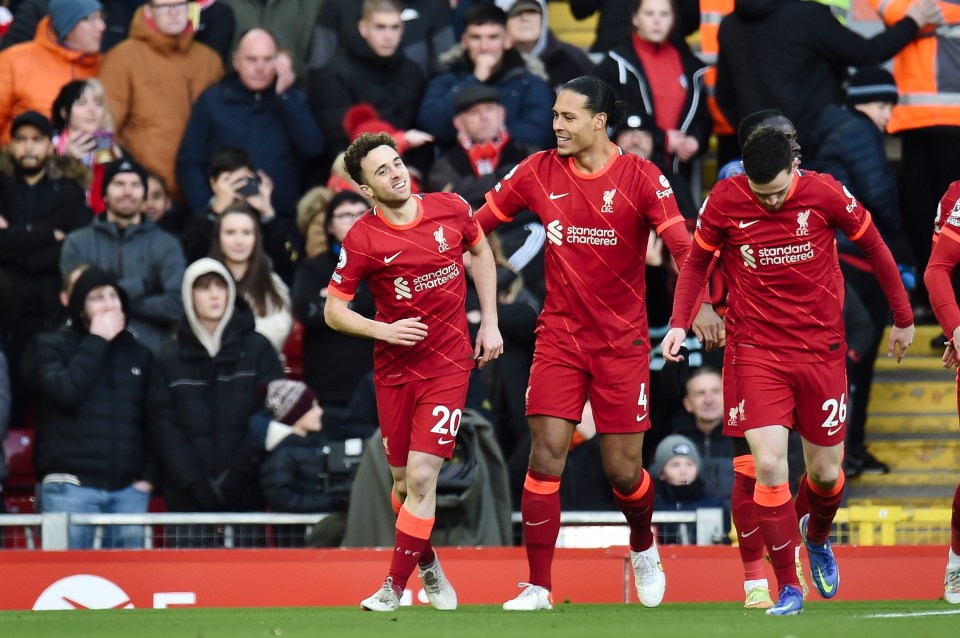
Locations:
597 228
944 259
414 270
780 266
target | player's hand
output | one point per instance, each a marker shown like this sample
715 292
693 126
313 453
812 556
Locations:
709 328
405 332
949 355
489 345
671 344
654 250
900 340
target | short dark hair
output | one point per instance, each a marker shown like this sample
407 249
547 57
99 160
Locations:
600 98
485 14
699 372
380 6
750 123
766 154
207 278
229 159
360 148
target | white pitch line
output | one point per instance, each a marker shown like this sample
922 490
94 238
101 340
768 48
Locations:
915 614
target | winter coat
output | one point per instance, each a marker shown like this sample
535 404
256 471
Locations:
623 71
716 454
292 477
686 498
563 61
791 55
333 363
524 93
453 172
91 419
29 252
290 21
151 81
853 152
278 131
200 406
32 74
393 86
148 264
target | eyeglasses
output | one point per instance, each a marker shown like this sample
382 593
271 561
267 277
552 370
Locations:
169 8
351 216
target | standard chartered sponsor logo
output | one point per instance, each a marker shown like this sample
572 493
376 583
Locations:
581 235
402 288
777 256
436 278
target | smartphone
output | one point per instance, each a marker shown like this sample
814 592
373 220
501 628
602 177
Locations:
250 187
104 141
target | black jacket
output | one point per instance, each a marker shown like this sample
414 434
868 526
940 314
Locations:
792 55
91 418
199 410
453 172
291 477
393 86
333 363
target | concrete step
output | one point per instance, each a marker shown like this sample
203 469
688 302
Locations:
913 397
921 345
915 502
918 455
911 425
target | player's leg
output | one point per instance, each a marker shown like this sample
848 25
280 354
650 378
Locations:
555 398
619 397
951 580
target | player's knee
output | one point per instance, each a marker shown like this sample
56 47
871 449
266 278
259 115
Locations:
824 477
768 465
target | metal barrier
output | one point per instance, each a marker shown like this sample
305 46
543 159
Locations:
603 529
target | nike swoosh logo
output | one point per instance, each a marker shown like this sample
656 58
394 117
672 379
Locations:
834 431
823 584
745 224
552 196
777 549
750 533
537 524
641 418
444 441
387 260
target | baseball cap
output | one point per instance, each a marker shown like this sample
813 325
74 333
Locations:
524 5
473 95
34 119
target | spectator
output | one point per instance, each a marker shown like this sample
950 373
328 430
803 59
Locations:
41 200
680 488
291 22
84 130
6 401
529 28
158 203
92 445
484 57
785 54
664 81
66 47
214 24
152 79
700 421
324 220
295 475
146 260
238 245
260 111
234 181
203 391
927 122
853 152
376 72
426 33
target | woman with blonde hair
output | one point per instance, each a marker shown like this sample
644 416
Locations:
237 243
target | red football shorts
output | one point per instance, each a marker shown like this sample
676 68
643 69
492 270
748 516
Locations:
618 387
809 396
422 415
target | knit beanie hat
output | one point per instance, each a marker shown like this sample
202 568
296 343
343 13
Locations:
289 400
65 14
871 84
673 445
121 166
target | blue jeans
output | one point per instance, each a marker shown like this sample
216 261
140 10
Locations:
66 497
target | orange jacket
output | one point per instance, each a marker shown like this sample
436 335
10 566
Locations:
152 81
927 77
711 13
32 74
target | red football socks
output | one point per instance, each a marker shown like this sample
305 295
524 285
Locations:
745 518
412 535
540 510
637 506
778 524
823 509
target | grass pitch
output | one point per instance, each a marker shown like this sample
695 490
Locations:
894 619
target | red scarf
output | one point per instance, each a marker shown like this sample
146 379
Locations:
484 156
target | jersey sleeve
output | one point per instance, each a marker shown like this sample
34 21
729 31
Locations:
948 210
661 204
848 214
351 268
510 195
709 232
470 230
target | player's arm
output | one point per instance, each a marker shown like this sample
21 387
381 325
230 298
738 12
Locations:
339 316
868 240
688 295
938 279
706 324
489 344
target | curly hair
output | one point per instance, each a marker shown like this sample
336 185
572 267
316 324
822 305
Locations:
360 148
